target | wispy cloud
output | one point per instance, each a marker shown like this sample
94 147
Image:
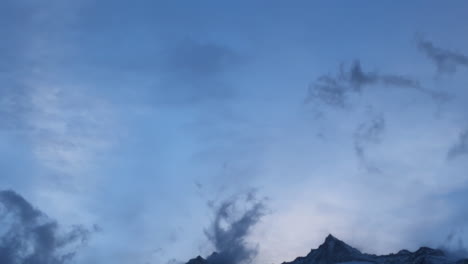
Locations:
15 106
230 228
63 126
335 90
460 147
368 133
446 61
454 245
67 132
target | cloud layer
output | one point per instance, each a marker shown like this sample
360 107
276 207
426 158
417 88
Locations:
110 111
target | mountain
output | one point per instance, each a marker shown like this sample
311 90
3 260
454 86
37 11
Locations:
334 251
208 260
198 260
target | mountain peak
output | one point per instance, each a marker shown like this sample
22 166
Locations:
335 246
332 251
331 238
197 260
429 251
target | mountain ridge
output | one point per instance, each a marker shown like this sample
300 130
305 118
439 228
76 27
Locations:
333 251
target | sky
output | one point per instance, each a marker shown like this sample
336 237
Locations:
156 131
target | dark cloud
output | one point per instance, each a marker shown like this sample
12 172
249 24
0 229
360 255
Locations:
461 146
197 59
446 61
335 90
27 236
230 228
450 237
368 133
193 71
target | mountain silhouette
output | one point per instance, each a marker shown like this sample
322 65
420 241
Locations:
333 251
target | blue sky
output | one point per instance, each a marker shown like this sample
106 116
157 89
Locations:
349 117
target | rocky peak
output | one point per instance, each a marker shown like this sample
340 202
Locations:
337 247
331 251
197 260
429 251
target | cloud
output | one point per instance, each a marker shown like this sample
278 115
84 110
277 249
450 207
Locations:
63 128
446 61
460 147
335 90
366 134
53 113
194 70
15 106
454 246
200 59
29 236
230 228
